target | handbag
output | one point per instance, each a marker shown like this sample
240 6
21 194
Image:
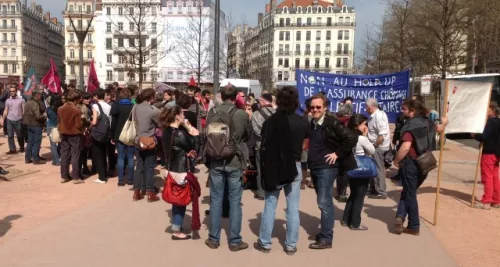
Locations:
174 193
147 142
367 167
129 132
55 136
427 162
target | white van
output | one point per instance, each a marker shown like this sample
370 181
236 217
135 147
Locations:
247 86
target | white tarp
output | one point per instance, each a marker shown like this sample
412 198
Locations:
467 106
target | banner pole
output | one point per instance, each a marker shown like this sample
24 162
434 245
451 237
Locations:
478 166
441 154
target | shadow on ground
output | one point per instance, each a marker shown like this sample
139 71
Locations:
6 223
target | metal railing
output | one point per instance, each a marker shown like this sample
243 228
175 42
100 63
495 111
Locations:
314 24
8 27
346 53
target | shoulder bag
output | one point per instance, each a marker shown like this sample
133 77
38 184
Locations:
366 167
174 193
427 162
129 132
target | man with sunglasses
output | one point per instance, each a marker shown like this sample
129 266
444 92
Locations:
14 110
330 145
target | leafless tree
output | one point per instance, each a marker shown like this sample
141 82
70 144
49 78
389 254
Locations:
193 44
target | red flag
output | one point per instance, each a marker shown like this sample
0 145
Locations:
92 83
51 79
192 82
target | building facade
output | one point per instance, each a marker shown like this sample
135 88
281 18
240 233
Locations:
79 15
28 38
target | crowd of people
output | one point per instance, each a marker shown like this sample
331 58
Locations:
233 133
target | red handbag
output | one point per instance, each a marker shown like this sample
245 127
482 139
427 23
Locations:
176 194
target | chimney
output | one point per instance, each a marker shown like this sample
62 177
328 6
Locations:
339 3
315 3
47 16
54 20
274 4
260 16
294 3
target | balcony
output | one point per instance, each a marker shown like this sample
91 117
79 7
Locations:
297 53
315 25
328 53
317 53
343 53
307 53
10 13
8 28
75 13
320 69
77 60
7 58
341 66
8 42
78 28
283 53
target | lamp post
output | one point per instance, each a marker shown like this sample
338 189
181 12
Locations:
216 47
81 35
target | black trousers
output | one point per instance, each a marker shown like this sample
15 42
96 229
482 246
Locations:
111 156
354 206
84 156
99 150
342 183
70 152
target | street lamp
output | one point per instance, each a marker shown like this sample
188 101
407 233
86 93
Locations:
81 35
217 47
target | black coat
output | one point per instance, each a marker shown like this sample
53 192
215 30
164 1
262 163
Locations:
119 114
177 143
340 139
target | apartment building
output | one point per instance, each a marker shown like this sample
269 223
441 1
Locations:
79 17
28 38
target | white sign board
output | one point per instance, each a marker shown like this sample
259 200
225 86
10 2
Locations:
425 86
467 106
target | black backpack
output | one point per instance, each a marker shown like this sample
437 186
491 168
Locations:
100 131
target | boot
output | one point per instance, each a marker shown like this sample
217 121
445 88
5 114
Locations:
152 197
137 195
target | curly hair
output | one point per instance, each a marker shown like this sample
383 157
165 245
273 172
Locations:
287 99
167 116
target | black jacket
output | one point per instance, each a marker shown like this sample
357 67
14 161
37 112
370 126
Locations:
120 114
341 140
176 144
489 137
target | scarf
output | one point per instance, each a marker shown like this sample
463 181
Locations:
125 101
195 195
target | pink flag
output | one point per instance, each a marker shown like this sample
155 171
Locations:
92 83
51 79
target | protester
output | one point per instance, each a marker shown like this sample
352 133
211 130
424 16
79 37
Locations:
305 182
184 101
34 121
329 143
120 113
229 170
258 118
283 136
489 159
100 141
415 136
379 134
52 123
4 95
13 116
344 115
358 186
179 146
206 103
147 121
70 125
86 109
194 93
110 99
168 96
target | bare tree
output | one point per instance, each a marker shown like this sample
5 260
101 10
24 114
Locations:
193 44
145 36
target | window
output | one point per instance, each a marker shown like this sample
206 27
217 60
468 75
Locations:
120 42
131 11
318 35
108 43
4 37
153 27
154 43
328 21
344 62
89 38
5 52
347 20
109 75
143 42
153 59
120 26
309 21
282 22
318 21
153 10
327 49
328 35
89 54
282 36
108 26
297 48
307 63
170 75
287 75
280 76
72 68
308 47
121 59
340 35
287 64
4 23
121 75
327 63
143 26
108 11
170 10
297 36
339 62
71 53
318 48
131 42
287 36
297 63
299 21
280 62
179 75
154 75
13 23
346 48
13 52
339 48
308 36
109 58
5 68
144 76
131 26
346 35
120 11
12 37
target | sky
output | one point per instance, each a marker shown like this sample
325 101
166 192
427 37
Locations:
368 13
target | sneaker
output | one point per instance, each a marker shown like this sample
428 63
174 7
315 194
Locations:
211 244
495 206
78 181
359 228
320 245
482 206
259 247
398 225
258 197
130 182
290 251
377 196
241 246
121 184
99 181
65 180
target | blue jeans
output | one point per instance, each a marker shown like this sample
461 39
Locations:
54 148
292 193
323 180
178 213
15 126
218 176
411 179
125 152
34 143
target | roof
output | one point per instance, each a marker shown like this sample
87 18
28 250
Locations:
303 3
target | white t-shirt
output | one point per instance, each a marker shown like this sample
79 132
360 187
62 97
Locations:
105 107
364 146
378 125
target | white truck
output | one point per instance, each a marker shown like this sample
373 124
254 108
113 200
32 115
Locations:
247 86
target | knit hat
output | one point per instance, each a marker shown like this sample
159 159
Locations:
267 97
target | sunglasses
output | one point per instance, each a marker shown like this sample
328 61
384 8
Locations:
13 91
315 107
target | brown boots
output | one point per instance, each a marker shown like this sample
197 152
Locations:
139 194
152 197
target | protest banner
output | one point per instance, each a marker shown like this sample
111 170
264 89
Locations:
390 90
466 108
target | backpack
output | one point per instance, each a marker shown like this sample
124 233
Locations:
219 143
264 115
100 132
